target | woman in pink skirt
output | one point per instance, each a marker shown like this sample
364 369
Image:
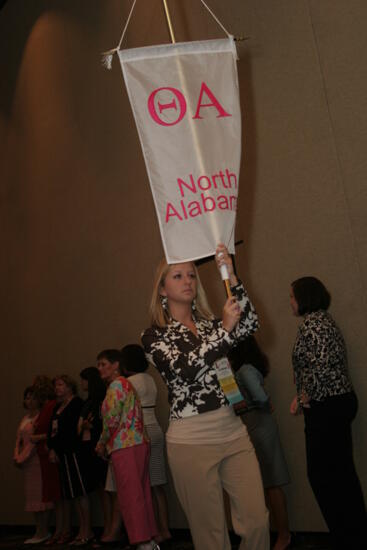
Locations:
26 458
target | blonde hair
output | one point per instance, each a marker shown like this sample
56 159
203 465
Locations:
158 315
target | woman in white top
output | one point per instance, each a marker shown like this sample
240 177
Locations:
135 364
207 445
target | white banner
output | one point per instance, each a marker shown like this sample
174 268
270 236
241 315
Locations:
186 106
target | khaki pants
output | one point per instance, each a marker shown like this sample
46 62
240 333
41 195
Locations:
200 473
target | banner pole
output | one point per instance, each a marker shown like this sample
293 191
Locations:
225 277
228 288
169 22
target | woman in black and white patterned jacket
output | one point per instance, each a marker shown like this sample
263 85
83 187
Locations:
208 446
325 396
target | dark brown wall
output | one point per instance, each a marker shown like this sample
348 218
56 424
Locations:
77 260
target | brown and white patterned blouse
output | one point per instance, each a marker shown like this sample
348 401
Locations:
320 358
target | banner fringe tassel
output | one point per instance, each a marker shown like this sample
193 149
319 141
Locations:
107 58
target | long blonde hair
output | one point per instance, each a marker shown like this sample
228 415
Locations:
158 315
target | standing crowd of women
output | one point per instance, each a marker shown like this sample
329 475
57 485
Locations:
222 434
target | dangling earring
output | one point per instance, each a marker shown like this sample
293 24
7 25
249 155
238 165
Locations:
193 305
164 302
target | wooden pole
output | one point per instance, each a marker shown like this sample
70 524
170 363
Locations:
173 40
169 22
228 288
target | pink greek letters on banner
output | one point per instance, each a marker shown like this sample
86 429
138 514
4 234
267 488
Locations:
178 103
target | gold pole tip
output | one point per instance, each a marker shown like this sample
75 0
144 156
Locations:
241 38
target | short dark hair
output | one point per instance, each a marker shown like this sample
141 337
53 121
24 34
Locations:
96 386
310 294
112 355
133 358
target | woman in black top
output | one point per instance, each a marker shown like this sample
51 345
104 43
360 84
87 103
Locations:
65 449
329 404
90 422
93 468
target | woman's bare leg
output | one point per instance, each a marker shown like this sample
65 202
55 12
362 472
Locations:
107 508
116 521
161 512
85 530
38 525
278 508
43 521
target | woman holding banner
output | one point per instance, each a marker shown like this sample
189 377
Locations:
189 347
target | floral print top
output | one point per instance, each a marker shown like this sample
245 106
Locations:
186 361
121 417
320 358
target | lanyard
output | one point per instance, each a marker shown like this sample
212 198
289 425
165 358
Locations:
229 385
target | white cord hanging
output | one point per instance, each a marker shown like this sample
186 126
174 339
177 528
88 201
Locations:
215 18
107 56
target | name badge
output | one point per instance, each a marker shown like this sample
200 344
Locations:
229 385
